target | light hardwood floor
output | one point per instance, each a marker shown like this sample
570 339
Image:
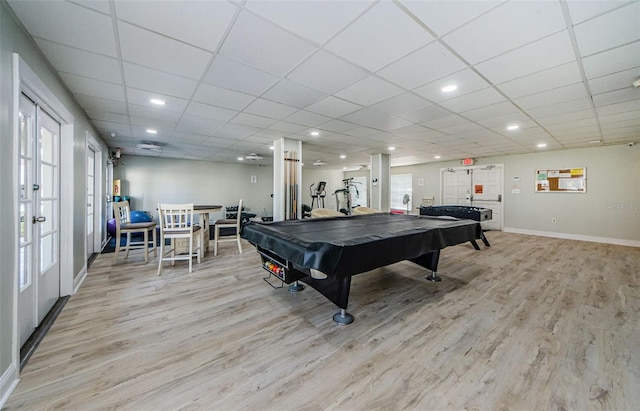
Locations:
530 323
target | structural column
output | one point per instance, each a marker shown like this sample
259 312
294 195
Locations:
287 179
380 182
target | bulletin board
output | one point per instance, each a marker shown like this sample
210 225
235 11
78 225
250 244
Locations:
561 180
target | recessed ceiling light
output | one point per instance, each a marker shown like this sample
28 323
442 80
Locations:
392 148
157 102
513 127
436 157
240 158
594 141
152 131
542 145
315 133
272 148
449 89
343 156
344 168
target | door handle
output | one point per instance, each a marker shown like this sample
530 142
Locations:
88 204
35 219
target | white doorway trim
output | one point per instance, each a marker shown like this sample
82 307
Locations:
478 167
25 80
98 177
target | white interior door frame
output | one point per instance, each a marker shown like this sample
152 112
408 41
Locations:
496 204
98 204
25 80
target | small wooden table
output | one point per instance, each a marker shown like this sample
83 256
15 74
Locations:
203 216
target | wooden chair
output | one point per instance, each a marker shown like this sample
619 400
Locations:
176 222
125 226
228 223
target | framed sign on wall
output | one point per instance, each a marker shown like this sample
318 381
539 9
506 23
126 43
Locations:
561 180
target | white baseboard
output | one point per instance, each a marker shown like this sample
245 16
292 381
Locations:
605 240
77 281
8 382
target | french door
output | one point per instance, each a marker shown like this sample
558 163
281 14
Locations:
91 194
475 187
39 213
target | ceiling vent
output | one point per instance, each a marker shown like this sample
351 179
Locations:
150 146
253 156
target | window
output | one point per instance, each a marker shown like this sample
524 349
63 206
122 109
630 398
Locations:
400 187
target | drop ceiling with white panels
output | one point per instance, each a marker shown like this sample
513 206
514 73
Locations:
365 75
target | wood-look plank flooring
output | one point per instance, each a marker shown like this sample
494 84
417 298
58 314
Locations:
529 323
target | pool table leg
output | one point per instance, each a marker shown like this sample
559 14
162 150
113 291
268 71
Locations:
343 317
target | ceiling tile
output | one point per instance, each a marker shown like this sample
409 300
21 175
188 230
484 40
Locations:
208 20
400 104
198 125
466 80
581 10
286 127
209 111
429 63
327 17
337 126
493 110
505 28
307 118
228 74
218 96
375 119
61 22
369 91
543 54
293 94
82 63
143 97
147 79
326 72
470 101
101 104
382 35
617 96
152 50
444 16
615 81
558 95
561 108
270 109
268 48
612 61
448 120
253 120
423 114
153 113
91 87
333 107
558 76
235 131
610 30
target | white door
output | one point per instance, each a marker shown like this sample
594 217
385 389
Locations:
91 186
475 187
456 187
39 238
487 193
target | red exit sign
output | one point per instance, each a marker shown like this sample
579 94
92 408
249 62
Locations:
468 162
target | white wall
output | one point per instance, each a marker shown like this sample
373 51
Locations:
151 180
16 40
609 211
